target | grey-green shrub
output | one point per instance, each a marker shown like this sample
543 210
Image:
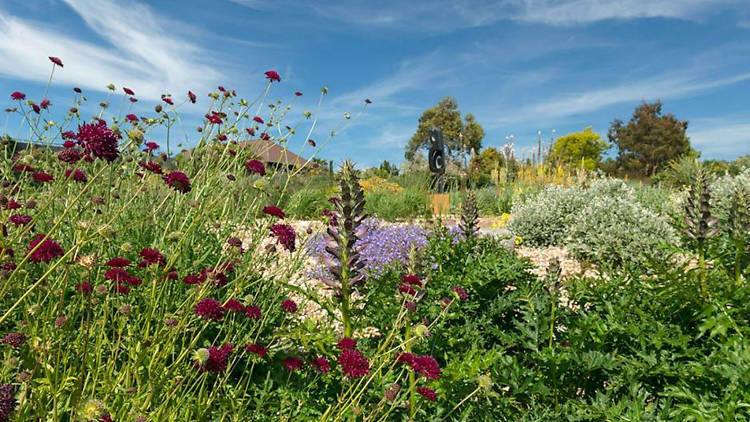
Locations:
544 219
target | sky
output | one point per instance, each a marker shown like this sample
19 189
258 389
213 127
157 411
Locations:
520 66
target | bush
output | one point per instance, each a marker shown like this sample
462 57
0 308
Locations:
308 203
545 219
409 203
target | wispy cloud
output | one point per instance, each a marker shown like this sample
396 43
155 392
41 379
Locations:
720 138
135 50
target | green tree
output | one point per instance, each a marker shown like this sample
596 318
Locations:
482 164
579 148
460 136
649 141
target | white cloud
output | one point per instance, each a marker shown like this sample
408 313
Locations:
720 138
137 52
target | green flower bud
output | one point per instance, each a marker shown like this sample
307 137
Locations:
201 355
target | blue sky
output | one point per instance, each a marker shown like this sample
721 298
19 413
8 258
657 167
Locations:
518 65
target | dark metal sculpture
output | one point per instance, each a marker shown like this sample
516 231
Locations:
436 156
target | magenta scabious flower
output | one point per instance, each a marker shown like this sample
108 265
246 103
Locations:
18 95
321 364
253 312
8 402
99 140
152 256
353 364
56 60
427 393
85 288
128 91
424 365
192 97
284 235
293 363
347 343
289 305
42 177
44 250
209 308
118 262
77 175
217 358
257 119
234 305
274 211
311 142
257 348
20 219
70 156
131 117
14 340
407 290
256 167
178 181
460 292
151 166
167 100
412 280
151 146
273 75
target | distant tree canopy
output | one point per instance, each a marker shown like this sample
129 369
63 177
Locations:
579 148
460 136
649 141
482 164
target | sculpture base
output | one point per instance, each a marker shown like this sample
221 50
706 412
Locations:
441 203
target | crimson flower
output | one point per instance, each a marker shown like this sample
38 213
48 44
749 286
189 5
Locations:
133 99
99 140
150 146
253 312
293 363
195 278
36 108
214 118
217 358
289 305
14 340
128 91
284 235
168 100
274 211
192 97
56 60
427 393
353 364
118 262
152 256
20 219
264 136
209 308
42 177
69 155
299 94
257 119
151 166
78 175
412 279
85 288
234 305
45 103
460 292
18 95
23 167
257 348
44 250
311 142
406 289
178 181
321 364
68 134
273 75
347 343
132 117
368 101
8 402
256 167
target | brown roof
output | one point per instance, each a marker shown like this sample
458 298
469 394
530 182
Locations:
271 152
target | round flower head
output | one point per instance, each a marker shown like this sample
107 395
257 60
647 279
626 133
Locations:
289 305
178 181
353 364
42 177
460 292
412 280
234 305
99 140
151 166
44 250
77 175
257 348
216 359
293 363
253 312
209 308
427 393
118 262
347 343
8 402
70 156
18 95
128 91
273 75
20 219
256 167
85 288
14 340
321 364
274 211
56 60
192 97
284 235
258 119
152 256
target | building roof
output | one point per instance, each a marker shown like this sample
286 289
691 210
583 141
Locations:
271 152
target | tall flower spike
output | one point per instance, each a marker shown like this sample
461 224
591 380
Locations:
342 236
738 228
469 216
701 225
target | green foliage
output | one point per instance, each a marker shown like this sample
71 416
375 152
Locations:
545 220
409 203
649 140
579 149
308 203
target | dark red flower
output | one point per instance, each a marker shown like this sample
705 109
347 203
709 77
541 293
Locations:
77 90
85 288
118 262
168 100
20 219
264 136
311 142
368 101
274 211
258 119
192 97
231 177
30 204
12 204
460 292
121 289
45 103
106 417
321 364
213 118
250 131
195 278
99 140
56 60
234 305
289 305
128 91
178 181
412 279
6 251
257 348
217 358
332 217
150 146
8 402
151 166
69 155
253 312
152 256
117 274
18 95
42 177
408 290
134 281
299 94
133 99
132 117
284 235
353 364
23 167
427 393
222 137
36 108
273 75
427 366
14 340
44 250
209 308
293 363
256 167
347 343
78 175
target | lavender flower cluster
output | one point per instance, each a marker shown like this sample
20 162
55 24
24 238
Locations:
382 245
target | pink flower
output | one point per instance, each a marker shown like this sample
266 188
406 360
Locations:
353 364
56 60
321 364
258 119
257 348
209 308
293 363
274 211
256 167
289 305
285 236
18 95
192 97
178 181
427 393
168 100
132 117
347 343
128 91
273 75
45 103
253 312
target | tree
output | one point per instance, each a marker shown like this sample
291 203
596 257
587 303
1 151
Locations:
482 164
460 137
649 141
579 148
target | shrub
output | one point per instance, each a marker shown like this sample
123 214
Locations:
409 203
544 220
308 203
